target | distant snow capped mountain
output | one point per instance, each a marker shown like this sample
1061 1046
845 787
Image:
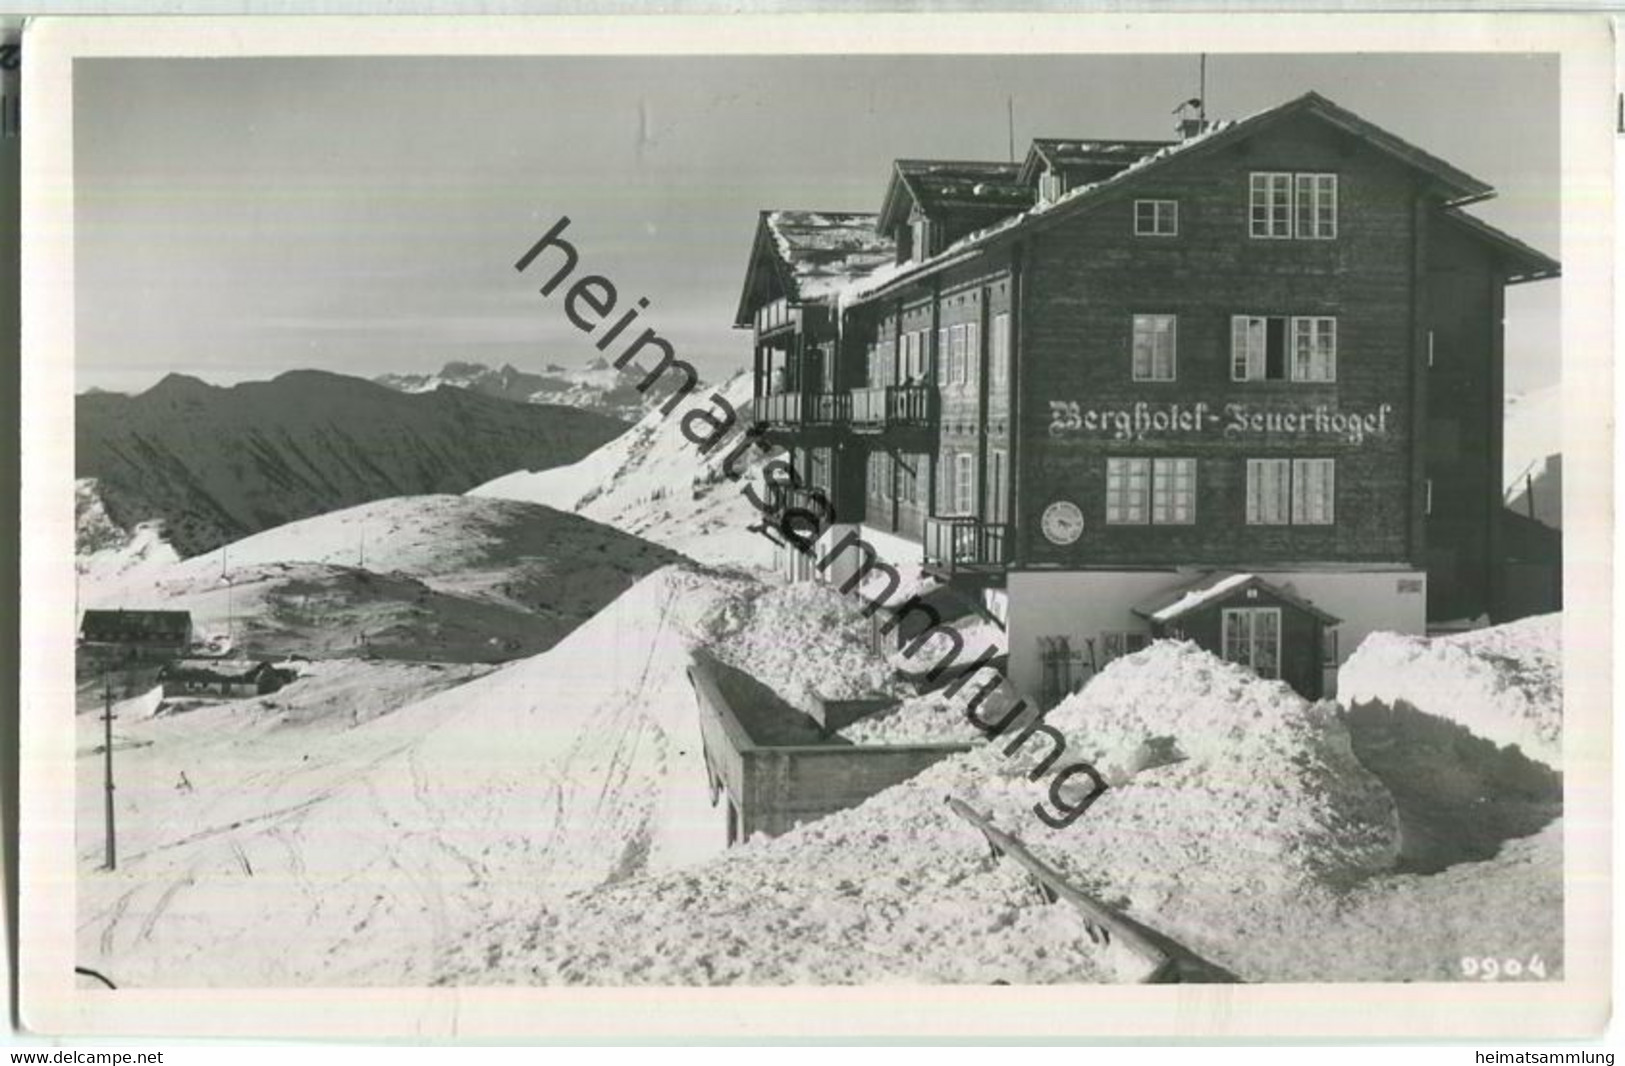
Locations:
597 386
216 464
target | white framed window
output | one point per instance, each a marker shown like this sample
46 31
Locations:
1299 492
1283 205
1156 218
998 468
1252 637
1315 207
973 352
1314 491
999 371
1281 348
1173 492
1128 492
1049 186
1269 492
1155 342
1270 208
944 364
1314 348
921 236
964 483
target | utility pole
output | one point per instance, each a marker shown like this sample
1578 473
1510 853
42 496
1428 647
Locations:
107 751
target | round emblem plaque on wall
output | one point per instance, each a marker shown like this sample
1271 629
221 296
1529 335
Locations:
1062 522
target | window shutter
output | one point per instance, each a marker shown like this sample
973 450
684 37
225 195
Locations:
1254 472
1239 359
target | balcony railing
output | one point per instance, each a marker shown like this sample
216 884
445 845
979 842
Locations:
776 315
966 543
804 408
889 406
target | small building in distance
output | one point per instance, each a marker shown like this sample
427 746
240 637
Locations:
134 634
222 677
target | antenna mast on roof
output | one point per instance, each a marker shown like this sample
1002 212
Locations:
1010 114
1201 91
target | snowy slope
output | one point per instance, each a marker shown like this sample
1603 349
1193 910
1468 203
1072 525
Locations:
364 855
422 577
654 483
104 550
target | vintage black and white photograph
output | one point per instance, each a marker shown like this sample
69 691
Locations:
860 518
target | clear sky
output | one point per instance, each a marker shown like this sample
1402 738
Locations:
237 218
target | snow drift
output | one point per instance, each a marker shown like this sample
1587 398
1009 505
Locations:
1504 683
1251 800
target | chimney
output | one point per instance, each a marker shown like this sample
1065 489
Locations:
1192 118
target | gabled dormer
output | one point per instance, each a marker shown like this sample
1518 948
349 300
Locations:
931 203
1056 165
802 257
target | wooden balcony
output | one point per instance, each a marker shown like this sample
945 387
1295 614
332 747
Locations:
966 545
894 407
803 409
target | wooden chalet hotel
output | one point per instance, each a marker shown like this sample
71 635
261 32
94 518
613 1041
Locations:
1243 387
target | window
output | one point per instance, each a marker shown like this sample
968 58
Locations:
921 236
1259 346
1252 637
1173 491
998 471
1049 186
1159 491
1316 196
1313 490
1271 206
1328 646
944 367
1284 205
1154 347
1314 349
908 489
973 352
1296 492
964 483
1156 218
1000 370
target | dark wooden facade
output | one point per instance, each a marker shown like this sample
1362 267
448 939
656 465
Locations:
1411 419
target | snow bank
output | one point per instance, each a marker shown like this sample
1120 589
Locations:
1264 805
1504 683
805 640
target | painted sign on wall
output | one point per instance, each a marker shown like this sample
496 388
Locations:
1142 420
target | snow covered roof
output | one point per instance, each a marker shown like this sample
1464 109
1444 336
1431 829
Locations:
808 255
1454 186
1067 153
241 670
1176 603
942 186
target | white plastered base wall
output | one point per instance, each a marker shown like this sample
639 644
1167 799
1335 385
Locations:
1083 604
